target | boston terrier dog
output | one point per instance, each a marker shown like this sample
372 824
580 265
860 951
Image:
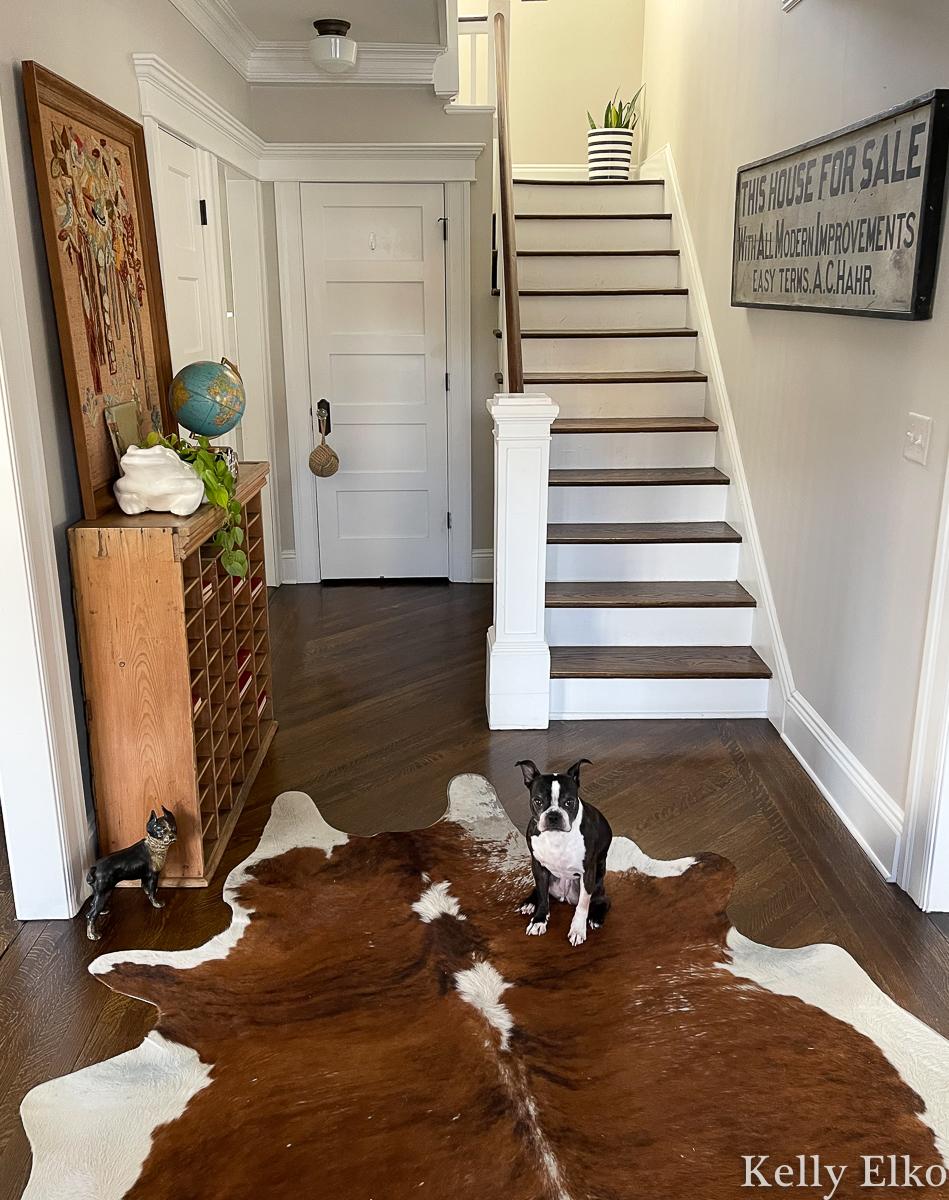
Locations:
568 841
142 861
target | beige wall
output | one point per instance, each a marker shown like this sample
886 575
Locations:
91 45
848 525
568 56
379 114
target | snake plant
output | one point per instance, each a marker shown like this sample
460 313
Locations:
618 115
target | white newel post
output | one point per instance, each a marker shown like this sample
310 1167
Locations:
518 683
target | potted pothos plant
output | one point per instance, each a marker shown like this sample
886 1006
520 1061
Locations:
610 146
219 489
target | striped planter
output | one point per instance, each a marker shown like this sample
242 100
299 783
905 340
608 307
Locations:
609 153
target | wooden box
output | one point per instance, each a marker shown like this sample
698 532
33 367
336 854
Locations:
176 673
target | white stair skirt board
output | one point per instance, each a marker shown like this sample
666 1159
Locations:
608 354
649 626
636 699
645 561
604 198
681 502
598 271
692 449
680 399
653 233
604 312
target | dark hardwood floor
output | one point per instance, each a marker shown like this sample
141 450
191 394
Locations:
380 697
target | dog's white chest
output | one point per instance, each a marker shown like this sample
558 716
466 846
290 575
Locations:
561 853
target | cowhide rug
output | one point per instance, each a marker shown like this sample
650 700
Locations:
374 1025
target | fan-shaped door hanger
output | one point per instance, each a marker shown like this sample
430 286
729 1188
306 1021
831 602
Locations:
324 461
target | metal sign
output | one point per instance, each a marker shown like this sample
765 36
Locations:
848 223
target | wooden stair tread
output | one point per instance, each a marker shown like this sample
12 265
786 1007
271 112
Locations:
643 291
597 253
635 476
633 425
662 216
609 333
637 533
676 593
537 377
656 662
592 182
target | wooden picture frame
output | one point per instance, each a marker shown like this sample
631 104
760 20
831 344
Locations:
99 228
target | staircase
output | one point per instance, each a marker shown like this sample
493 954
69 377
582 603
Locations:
644 614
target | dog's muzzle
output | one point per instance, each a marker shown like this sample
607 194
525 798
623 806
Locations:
554 822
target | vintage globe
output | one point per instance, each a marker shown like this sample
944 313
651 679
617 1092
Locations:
208 397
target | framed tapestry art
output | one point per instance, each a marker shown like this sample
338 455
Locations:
99 228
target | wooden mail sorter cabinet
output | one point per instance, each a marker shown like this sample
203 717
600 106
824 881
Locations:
176 673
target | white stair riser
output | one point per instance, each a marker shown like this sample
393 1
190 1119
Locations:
602 699
594 198
598 271
626 399
632 450
648 626
676 502
604 312
665 560
594 235
609 354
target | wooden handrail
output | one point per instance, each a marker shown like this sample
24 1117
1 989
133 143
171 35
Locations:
512 312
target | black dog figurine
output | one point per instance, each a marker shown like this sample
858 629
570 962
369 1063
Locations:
142 861
568 841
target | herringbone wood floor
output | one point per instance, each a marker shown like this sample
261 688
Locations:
380 698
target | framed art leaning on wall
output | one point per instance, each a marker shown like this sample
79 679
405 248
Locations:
99 228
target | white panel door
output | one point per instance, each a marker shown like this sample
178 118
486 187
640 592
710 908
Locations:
184 270
374 267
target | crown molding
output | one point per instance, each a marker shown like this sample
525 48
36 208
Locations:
175 103
399 64
376 63
216 21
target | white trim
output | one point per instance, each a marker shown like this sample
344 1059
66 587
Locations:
219 24
563 171
458 334
869 813
49 841
183 109
482 566
393 63
288 563
251 326
467 110
297 373
922 870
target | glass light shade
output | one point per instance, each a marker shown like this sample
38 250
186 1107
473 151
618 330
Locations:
334 54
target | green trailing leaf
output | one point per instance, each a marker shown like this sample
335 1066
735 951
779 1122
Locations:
219 489
590 119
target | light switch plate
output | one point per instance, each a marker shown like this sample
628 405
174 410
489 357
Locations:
916 442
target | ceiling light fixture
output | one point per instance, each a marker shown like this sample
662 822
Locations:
332 50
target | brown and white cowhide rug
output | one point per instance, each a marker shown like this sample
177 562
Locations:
374 1025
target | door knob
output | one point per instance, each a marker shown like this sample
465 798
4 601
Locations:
323 420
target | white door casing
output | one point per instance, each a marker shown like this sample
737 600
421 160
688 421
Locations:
374 278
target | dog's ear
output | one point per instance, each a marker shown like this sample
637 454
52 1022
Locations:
528 770
574 771
167 813
151 815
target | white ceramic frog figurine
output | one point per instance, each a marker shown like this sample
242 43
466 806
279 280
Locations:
157 480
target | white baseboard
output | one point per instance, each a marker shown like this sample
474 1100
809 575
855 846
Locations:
288 566
871 815
482 566
556 171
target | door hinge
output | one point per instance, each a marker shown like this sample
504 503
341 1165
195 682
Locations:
444 223
203 206
447 382
449 520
